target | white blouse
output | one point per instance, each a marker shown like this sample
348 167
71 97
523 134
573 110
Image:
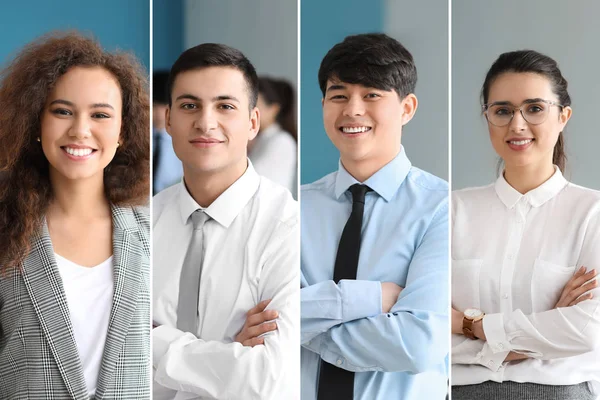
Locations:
512 254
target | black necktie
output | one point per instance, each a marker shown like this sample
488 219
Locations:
337 383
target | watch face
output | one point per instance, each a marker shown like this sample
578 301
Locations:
473 312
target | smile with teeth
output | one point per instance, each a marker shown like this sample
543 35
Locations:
520 142
355 129
78 152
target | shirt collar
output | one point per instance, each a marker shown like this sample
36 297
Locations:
536 197
228 205
384 182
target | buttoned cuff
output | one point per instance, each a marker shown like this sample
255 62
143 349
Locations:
495 335
162 337
490 359
360 299
314 344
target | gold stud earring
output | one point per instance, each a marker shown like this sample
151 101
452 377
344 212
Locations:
118 144
38 139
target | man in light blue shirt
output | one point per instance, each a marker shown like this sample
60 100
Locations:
387 329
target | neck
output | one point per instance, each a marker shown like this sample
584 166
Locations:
206 187
528 177
80 198
363 169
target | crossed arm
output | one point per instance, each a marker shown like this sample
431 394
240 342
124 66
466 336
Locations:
250 367
569 329
348 322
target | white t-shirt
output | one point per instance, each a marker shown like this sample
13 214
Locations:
89 293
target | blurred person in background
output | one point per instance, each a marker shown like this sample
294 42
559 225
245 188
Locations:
167 169
274 151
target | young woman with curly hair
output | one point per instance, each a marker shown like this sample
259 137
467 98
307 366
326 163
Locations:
74 265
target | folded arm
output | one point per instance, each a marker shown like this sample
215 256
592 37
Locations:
215 369
413 335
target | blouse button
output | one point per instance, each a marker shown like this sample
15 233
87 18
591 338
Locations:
339 361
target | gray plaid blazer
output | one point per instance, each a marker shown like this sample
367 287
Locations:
38 354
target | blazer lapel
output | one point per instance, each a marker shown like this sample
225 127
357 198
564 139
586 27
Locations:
45 288
127 260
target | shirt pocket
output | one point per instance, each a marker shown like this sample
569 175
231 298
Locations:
465 283
547 283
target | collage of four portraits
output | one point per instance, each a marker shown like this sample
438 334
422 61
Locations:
299 200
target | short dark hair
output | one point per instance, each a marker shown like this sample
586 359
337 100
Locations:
372 60
524 61
215 55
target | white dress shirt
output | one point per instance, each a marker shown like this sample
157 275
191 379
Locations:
512 254
89 293
274 155
251 254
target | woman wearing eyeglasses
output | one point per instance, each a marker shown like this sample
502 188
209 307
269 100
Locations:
526 311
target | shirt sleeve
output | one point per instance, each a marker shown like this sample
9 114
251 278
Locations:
218 370
326 304
413 337
477 352
557 333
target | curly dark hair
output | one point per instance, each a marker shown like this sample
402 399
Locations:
25 83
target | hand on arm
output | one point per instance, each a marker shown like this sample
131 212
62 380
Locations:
575 291
256 325
412 336
212 368
389 295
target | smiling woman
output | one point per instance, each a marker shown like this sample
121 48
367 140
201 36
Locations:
525 309
74 266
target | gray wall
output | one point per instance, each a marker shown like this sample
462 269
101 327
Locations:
423 28
264 30
481 31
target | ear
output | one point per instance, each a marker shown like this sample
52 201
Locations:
322 102
168 119
254 123
565 115
409 108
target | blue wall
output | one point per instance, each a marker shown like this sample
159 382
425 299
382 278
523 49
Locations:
115 23
167 33
323 24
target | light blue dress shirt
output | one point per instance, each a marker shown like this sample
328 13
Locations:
401 354
169 170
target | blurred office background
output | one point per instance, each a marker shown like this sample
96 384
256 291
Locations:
422 27
266 32
479 35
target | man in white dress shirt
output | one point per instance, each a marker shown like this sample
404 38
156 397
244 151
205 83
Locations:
244 339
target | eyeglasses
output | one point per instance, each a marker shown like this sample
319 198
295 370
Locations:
534 111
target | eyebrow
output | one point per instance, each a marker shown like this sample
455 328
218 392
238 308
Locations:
508 103
335 87
187 96
94 105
